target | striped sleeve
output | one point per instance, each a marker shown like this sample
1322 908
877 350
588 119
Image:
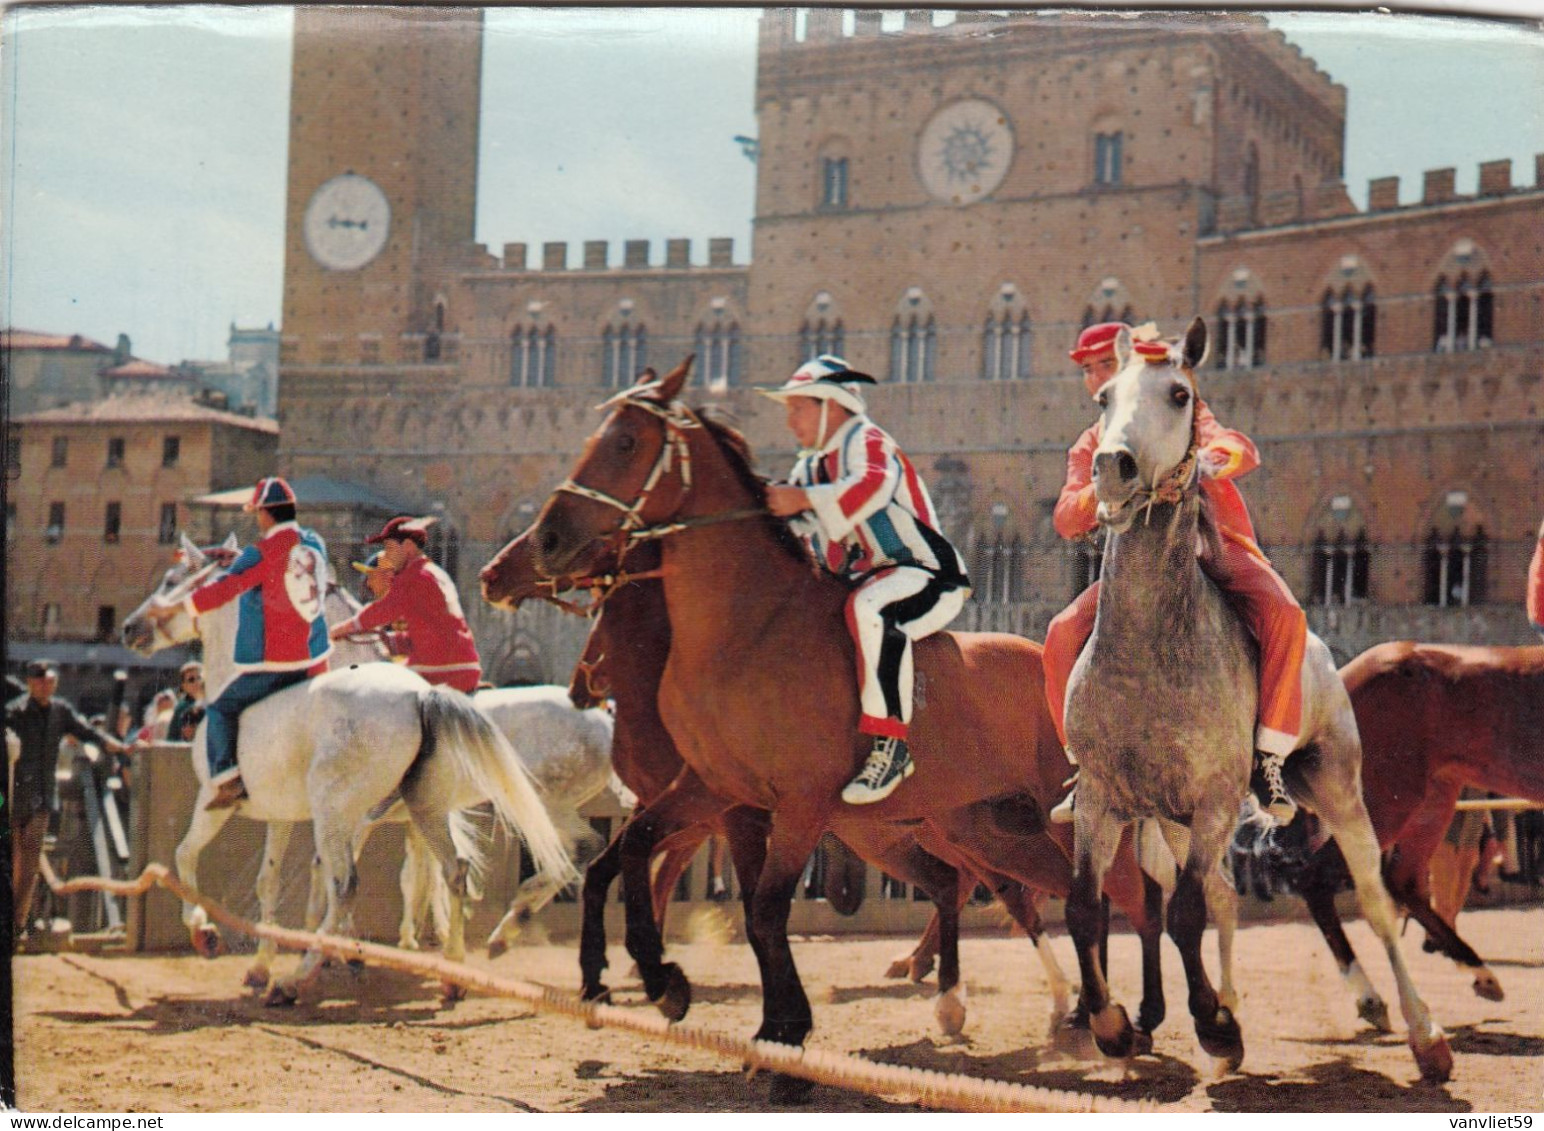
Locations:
869 475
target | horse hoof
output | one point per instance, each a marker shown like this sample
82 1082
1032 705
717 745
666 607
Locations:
1375 1012
676 998
789 1091
1113 1032
450 993
1141 1042
281 994
207 942
949 1010
256 979
1488 987
497 947
918 969
900 968
1434 1058
1222 1039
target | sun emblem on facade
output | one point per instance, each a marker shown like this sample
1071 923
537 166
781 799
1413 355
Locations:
964 151
967 152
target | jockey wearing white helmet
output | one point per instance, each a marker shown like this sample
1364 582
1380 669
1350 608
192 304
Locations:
866 515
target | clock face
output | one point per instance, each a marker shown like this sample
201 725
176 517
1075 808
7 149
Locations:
965 151
347 222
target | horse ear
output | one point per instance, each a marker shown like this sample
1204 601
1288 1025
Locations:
1122 348
1193 356
189 552
671 386
646 376
230 543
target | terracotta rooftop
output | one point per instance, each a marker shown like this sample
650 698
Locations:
137 370
145 408
33 340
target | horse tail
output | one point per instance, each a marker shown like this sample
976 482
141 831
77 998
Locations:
483 759
1264 858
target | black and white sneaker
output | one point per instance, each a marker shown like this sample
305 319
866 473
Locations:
889 764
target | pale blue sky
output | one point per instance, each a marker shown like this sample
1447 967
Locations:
144 149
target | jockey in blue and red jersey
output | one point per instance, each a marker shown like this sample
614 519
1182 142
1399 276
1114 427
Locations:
281 634
866 515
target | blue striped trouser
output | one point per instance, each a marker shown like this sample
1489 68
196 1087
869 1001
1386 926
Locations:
225 712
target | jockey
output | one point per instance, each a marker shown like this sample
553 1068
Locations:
440 645
1241 571
1536 585
378 578
281 634
867 517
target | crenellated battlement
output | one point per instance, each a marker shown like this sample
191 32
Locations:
1438 186
596 256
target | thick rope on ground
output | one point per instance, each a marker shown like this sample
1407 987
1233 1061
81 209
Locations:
946 1091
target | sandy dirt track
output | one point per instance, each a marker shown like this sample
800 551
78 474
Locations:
176 1034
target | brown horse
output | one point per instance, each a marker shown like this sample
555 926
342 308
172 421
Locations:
625 657
758 692
1433 719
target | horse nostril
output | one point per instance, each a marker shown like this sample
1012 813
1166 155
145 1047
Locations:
1126 465
548 541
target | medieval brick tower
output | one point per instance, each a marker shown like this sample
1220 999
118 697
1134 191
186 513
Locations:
382 179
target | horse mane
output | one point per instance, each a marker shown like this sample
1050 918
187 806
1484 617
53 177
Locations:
1206 523
742 461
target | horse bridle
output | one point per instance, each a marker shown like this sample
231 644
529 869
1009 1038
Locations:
677 420
1171 488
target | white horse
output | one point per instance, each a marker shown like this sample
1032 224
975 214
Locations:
337 750
567 752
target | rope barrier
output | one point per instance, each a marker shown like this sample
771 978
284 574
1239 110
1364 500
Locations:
945 1091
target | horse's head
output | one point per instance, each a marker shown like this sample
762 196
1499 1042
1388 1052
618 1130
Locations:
192 568
1147 440
511 578
634 472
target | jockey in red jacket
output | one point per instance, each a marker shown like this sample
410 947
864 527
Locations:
281 633
1242 571
440 645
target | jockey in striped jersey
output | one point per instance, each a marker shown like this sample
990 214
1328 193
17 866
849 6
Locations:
866 515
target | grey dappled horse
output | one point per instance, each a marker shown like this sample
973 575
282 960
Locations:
1161 708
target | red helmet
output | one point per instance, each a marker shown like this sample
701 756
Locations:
1096 341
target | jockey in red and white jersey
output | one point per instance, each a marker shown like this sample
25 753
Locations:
1241 570
867 517
281 633
440 645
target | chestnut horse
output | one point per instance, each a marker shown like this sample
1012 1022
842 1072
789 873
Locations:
1433 718
758 692
1161 705
625 657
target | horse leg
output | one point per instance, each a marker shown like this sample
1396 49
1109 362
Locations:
1318 883
204 827
918 963
911 862
746 830
684 803
1342 811
1096 836
541 889
335 850
592 932
422 895
1216 1028
786 1017
1449 942
1140 897
1222 904
1407 878
268 876
1022 903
